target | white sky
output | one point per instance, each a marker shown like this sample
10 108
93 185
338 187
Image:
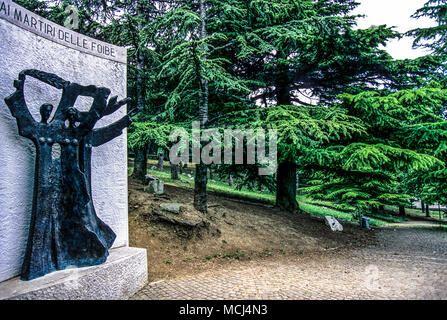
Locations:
394 13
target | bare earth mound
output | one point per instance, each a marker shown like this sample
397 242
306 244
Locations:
232 231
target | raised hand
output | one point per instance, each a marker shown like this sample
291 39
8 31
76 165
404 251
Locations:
19 109
113 105
123 102
20 83
110 132
112 102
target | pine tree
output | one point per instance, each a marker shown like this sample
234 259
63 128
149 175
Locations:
303 53
405 136
93 15
135 28
433 38
194 64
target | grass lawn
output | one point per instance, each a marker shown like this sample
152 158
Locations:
313 207
320 208
434 213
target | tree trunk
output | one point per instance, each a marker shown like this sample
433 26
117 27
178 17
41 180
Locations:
174 171
427 211
402 211
161 159
230 180
422 206
140 164
286 181
211 173
180 167
140 83
286 187
153 150
201 179
200 193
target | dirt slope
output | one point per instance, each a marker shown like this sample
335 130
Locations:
231 232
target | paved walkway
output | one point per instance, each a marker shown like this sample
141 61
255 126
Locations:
408 264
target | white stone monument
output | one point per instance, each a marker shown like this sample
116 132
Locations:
28 41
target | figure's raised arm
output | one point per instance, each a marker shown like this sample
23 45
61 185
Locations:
19 110
70 94
96 111
71 91
110 132
48 78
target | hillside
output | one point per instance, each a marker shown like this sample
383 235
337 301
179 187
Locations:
232 231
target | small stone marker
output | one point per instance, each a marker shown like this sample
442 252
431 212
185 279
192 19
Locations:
364 223
333 223
171 207
154 185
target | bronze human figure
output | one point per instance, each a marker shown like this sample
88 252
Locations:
64 229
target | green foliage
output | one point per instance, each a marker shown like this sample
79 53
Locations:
433 38
193 59
302 129
92 14
416 73
143 133
362 129
405 137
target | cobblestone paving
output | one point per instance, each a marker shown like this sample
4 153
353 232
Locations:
408 264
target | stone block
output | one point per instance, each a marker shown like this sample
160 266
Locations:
171 207
333 223
124 273
155 186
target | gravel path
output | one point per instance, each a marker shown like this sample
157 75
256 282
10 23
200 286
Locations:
407 264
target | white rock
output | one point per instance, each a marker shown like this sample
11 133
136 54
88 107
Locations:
333 223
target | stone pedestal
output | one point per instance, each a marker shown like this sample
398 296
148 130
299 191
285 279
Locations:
124 273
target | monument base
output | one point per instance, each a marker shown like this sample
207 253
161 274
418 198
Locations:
124 273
